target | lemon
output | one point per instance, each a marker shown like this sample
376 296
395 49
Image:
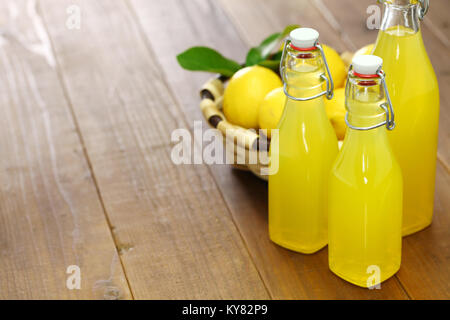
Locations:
245 92
347 57
271 110
337 66
364 50
335 109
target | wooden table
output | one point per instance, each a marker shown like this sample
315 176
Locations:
86 177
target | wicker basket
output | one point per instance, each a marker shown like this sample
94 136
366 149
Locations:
245 142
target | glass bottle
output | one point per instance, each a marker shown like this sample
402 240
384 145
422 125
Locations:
305 148
414 91
365 186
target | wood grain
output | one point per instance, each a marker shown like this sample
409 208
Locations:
86 176
438 21
287 275
50 213
267 17
177 237
425 270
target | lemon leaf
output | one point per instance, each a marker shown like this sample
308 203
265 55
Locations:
288 29
276 56
270 64
207 59
253 57
260 53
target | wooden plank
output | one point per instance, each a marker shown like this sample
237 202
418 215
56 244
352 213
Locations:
171 26
255 20
438 22
425 270
177 235
50 213
352 23
424 273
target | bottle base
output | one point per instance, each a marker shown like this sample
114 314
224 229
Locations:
415 228
362 281
296 247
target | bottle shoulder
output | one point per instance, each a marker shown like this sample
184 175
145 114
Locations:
358 160
404 56
375 174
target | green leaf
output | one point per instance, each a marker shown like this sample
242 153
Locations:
269 44
276 56
263 51
253 57
207 59
271 64
288 29
260 53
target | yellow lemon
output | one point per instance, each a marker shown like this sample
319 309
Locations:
364 50
337 66
271 110
245 92
335 109
347 57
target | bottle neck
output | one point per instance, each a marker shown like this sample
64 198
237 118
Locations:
364 98
302 72
401 13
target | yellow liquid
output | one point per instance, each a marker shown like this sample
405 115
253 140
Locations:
365 205
306 149
414 92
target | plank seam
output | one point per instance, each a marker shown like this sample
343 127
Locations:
443 163
437 32
85 153
185 120
237 26
403 288
330 18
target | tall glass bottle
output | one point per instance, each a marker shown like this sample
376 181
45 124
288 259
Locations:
365 186
305 148
415 94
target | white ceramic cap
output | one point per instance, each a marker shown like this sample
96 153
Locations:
367 64
304 37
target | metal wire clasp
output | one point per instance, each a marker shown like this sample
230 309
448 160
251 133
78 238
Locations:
387 107
328 80
423 8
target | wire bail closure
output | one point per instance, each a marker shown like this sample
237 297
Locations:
387 107
329 80
423 8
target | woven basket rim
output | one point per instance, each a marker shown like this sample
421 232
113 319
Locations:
211 94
